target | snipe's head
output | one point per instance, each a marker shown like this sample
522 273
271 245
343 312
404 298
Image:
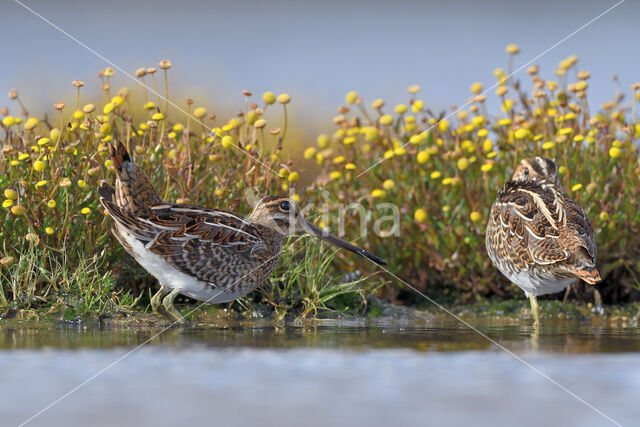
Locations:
536 169
284 216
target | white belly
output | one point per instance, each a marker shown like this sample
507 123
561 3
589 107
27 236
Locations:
173 278
536 286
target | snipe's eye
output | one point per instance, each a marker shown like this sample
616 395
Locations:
526 171
285 205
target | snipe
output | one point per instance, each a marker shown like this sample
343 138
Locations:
538 236
207 254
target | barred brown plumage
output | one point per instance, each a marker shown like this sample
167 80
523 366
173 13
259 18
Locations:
207 254
537 236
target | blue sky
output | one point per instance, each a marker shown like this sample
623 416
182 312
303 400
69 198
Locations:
315 51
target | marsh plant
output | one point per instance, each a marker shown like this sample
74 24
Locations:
412 184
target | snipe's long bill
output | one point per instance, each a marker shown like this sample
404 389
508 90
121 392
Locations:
315 231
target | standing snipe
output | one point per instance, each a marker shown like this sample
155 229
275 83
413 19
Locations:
539 237
210 255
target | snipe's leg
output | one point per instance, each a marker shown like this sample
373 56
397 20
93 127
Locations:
167 302
597 301
156 300
534 309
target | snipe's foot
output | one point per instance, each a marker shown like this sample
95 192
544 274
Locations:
172 311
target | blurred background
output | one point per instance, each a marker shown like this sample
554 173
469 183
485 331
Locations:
315 51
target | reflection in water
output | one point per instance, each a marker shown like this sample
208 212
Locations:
442 334
329 374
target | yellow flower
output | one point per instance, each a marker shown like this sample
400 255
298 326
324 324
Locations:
108 108
378 193
417 138
335 175
377 104
319 159
388 184
338 159
227 141
371 134
604 216
7 203
39 166
30 123
475 216
85 211
8 121
386 120
55 134
413 89
18 210
423 157
486 167
417 106
420 215
283 99
41 183
576 187
435 175
578 138
582 85
351 97
521 133
51 204
487 145
463 163
78 114
476 88
178 127
562 170
268 98
482 133
11 194
323 141
548 145
512 49
150 105
157 117
49 230
350 166
309 153
81 183
172 135
447 181
443 125
491 155
615 152
400 109
117 100
89 108
293 177
296 198
565 131
349 140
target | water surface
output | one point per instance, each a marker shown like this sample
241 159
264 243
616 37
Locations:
337 373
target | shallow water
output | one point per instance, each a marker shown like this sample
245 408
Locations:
435 373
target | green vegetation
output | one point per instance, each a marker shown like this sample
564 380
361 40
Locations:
442 174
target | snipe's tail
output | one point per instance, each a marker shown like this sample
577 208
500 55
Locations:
589 275
134 191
